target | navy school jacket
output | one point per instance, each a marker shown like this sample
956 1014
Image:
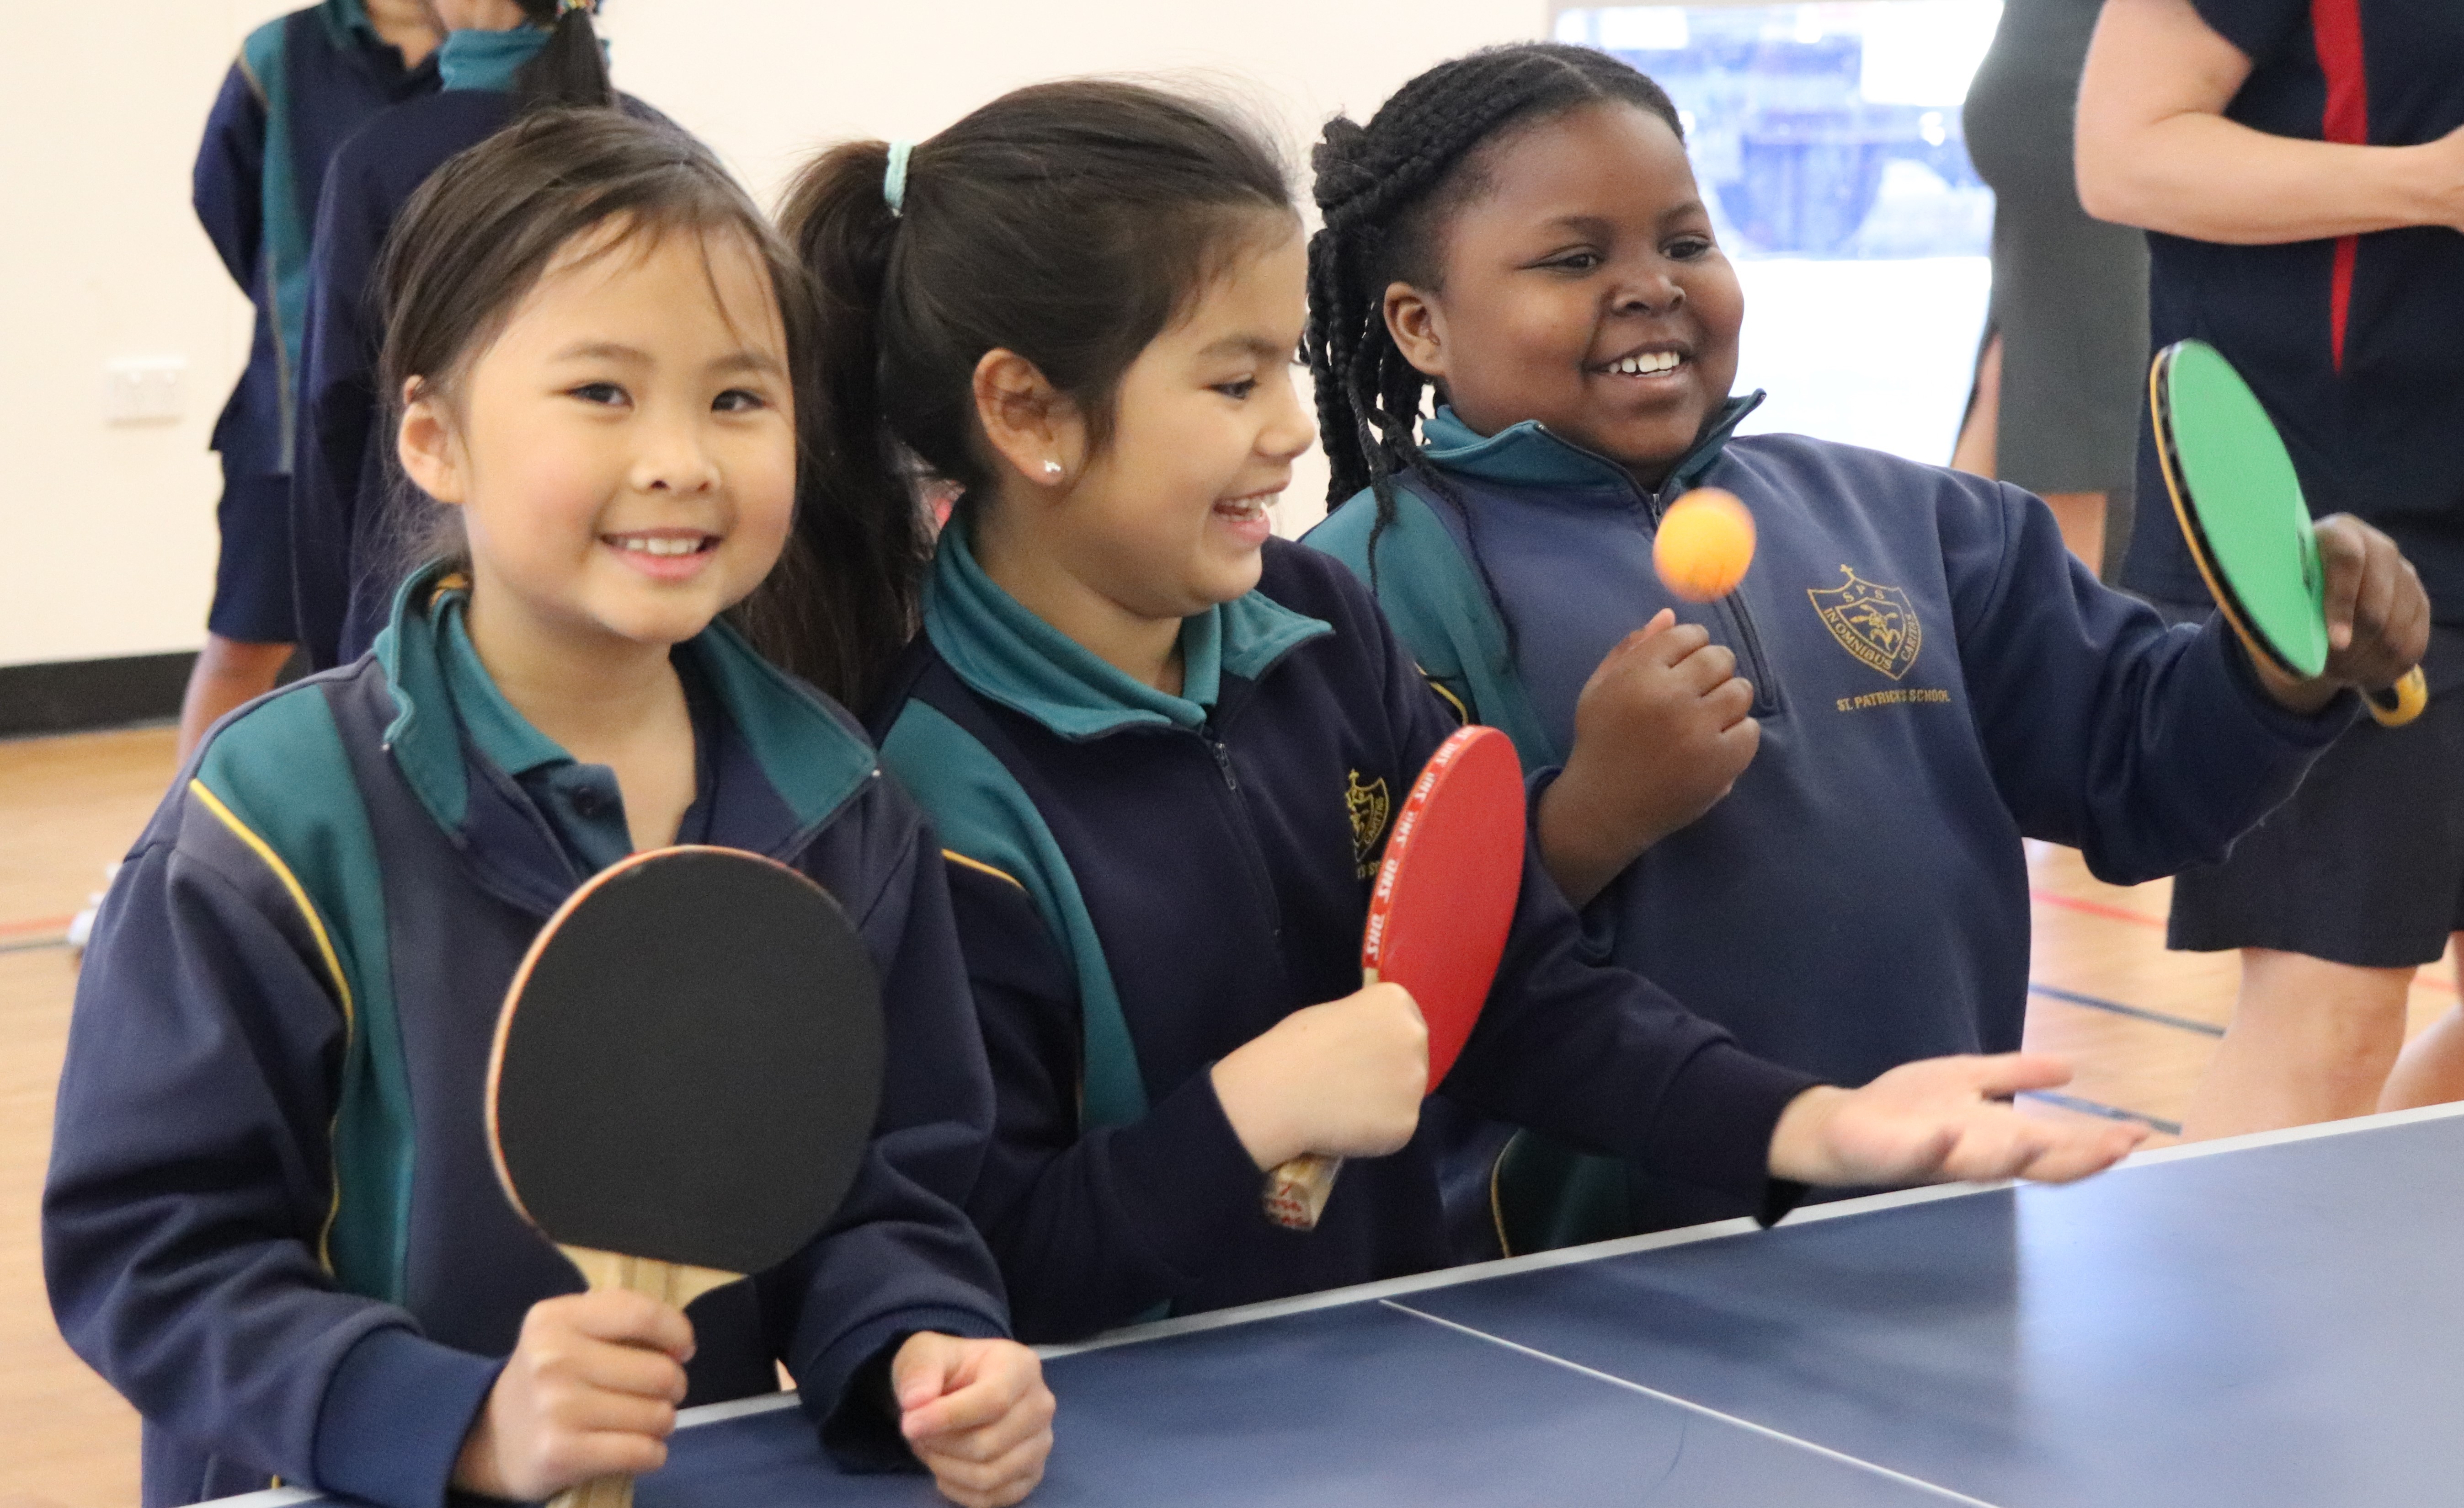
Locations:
1144 883
1936 679
345 561
301 84
272 1221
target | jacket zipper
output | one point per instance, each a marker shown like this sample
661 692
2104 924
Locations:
1222 760
1750 639
1741 620
1261 884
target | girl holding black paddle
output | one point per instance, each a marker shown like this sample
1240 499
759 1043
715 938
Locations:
272 1219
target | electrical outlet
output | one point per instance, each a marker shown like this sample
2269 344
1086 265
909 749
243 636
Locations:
145 390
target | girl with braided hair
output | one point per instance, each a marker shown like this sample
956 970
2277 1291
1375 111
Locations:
1162 747
1801 808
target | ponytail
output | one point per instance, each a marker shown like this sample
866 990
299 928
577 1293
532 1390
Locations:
572 67
1067 222
844 599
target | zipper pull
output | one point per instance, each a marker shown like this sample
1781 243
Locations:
1222 758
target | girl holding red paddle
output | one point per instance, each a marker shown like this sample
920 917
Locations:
1165 750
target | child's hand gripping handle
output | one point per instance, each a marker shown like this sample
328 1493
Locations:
1343 1078
669 1283
1297 1187
2376 610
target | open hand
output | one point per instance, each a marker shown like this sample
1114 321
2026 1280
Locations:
1661 732
975 1413
1944 1120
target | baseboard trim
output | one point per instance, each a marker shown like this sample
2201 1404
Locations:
81 696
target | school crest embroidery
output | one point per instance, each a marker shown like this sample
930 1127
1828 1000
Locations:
1369 806
1876 624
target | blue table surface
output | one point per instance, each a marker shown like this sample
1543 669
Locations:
2277 1322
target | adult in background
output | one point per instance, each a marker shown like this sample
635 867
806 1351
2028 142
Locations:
2299 165
301 84
2066 345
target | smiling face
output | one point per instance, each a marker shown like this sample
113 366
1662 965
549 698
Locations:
1114 543
1172 514
622 452
1581 287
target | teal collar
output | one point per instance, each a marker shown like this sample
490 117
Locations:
1008 654
1530 455
487 60
508 739
442 693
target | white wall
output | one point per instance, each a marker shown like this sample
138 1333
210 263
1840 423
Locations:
100 107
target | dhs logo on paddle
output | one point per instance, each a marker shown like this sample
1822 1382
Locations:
1876 623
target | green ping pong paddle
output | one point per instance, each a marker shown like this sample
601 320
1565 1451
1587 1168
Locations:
2241 509
685 1076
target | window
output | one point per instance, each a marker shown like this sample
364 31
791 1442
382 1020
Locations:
1827 142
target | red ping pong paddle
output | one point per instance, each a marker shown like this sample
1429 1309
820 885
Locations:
685 1077
1437 919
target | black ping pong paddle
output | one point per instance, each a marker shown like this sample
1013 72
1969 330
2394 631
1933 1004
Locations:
685 1077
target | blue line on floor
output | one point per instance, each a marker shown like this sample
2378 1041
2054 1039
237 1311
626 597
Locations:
2090 1107
2140 1012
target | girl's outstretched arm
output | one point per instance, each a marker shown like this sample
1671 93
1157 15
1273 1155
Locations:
1941 1120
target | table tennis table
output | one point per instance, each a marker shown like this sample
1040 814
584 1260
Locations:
2276 1320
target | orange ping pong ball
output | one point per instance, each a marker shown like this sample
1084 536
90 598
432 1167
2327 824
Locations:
1705 542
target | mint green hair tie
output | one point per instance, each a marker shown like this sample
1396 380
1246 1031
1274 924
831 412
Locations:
893 180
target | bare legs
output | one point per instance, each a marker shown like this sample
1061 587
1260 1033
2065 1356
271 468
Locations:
2431 1071
228 671
2312 1041
2080 515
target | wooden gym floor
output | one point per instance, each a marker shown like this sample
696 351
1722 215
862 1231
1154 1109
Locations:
2137 1022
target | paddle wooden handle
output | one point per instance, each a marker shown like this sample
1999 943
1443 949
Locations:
669 1282
1296 1190
2394 706
608 1492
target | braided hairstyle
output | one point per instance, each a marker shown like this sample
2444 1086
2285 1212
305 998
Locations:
1388 191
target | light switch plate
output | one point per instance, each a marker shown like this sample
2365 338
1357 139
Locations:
145 390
